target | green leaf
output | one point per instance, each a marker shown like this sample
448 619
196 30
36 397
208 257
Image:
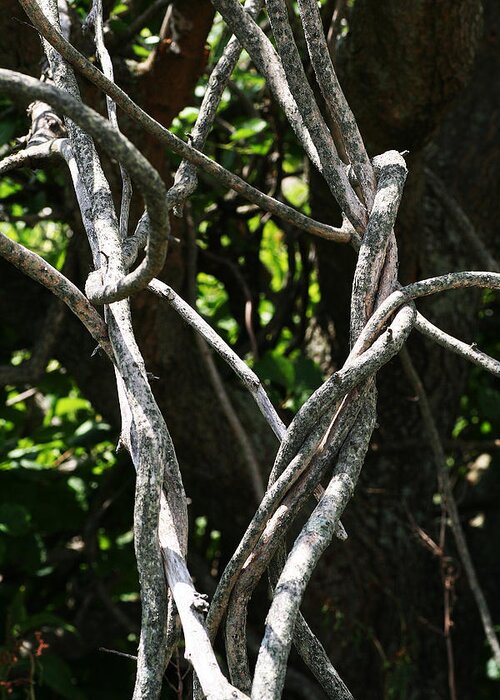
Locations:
212 295
276 369
296 190
140 51
188 115
460 425
70 405
119 8
248 128
493 670
200 526
8 187
273 254
78 486
89 433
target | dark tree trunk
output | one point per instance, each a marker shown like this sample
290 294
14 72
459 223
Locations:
380 593
405 69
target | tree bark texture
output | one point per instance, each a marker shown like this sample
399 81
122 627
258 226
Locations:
406 70
416 92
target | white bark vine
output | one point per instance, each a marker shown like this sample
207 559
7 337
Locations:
331 433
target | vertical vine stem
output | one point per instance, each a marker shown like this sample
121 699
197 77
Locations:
450 503
310 544
329 436
335 99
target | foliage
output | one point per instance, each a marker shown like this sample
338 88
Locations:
66 545
65 502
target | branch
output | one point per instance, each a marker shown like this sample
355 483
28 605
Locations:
432 285
302 121
95 19
315 536
239 367
450 504
335 99
38 269
465 226
85 167
468 352
76 59
316 659
191 606
391 171
22 159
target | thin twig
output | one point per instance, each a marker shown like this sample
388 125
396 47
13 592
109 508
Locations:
335 99
450 504
467 351
118 653
232 418
123 37
42 272
465 226
95 19
98 289
76 59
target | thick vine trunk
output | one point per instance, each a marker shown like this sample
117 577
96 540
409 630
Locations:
405 69
380 593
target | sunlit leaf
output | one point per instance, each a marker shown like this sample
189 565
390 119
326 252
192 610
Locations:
247 129
295 190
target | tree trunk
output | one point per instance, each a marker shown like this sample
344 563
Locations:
405 69
376 601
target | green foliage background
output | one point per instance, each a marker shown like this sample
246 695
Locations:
66 495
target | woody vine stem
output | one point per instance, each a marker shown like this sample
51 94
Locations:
329 437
